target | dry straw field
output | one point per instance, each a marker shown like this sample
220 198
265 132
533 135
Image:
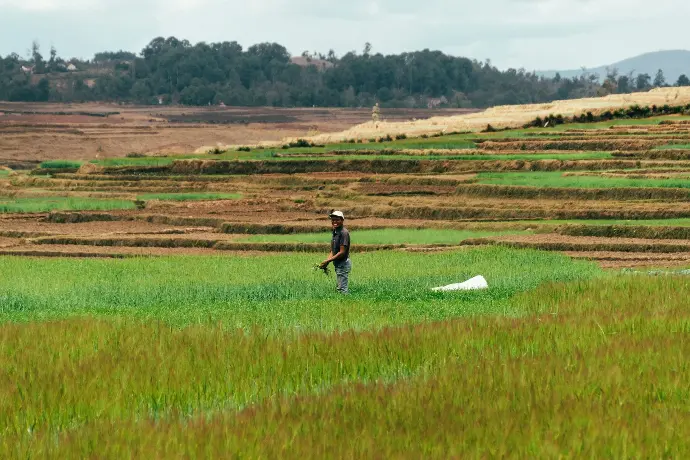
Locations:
165 305
509 116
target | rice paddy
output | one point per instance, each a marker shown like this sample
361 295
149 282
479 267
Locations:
388 236
167 306
47 204
557 179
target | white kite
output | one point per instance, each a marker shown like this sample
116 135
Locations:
478 282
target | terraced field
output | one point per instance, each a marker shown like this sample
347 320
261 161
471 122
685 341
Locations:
225 342
481 188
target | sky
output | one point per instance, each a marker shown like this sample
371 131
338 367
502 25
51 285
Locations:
529 34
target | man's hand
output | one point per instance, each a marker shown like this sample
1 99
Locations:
324 264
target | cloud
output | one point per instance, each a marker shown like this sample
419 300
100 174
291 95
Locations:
49 5
534 34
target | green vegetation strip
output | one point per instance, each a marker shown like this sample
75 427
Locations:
674 147
278 292
386 236
509 157
189 196
61 164
47 204
557 179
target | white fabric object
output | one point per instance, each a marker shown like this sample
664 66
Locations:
478 282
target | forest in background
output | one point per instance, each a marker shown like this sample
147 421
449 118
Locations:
175 71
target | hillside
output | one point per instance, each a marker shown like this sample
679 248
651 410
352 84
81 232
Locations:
673 62
508 116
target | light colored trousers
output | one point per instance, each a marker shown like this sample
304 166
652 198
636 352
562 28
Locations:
342 272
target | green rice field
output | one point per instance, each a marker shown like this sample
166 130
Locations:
558 179
47 204
385 236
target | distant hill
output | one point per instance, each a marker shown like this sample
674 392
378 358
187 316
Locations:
674 63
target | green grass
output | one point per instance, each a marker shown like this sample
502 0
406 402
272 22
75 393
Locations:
61 164
189 196
673 147
385 236
4 173
498 157
47 204
557 179
591 369
277 292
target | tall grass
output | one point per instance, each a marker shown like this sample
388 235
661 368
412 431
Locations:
47 204
557 179
592 369
277 292
386 236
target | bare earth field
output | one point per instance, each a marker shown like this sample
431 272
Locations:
36 132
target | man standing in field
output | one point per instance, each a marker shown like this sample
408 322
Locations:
340 251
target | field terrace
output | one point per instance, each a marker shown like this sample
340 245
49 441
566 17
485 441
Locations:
553 189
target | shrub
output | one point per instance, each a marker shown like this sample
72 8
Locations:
136 155
216 151
60 164
400 137
301 143
244 149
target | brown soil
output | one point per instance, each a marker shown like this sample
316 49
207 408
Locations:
623 259
37 132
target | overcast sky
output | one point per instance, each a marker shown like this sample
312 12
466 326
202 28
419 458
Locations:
534 34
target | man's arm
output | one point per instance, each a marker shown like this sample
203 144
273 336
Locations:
332 257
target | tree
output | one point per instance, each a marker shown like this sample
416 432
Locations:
206 73
36 58
659 79
624 84
611 81
683 80
643 82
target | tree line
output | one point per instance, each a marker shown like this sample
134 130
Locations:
171 70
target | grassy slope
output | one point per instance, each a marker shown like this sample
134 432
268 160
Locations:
593 369
385 236
557 179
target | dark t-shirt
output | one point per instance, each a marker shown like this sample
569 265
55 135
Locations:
341 237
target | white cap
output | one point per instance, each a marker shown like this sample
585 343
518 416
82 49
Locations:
337 214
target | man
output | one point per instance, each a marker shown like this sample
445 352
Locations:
340 251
